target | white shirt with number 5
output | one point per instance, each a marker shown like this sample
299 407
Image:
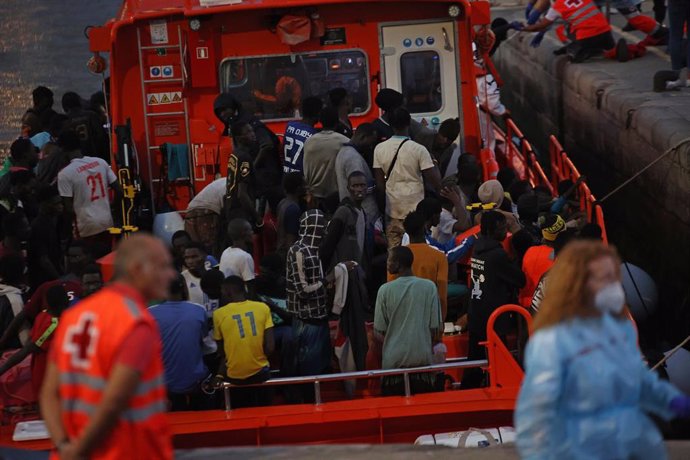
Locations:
86 181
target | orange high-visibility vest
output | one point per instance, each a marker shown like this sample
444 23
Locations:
536 262
583 17
88 340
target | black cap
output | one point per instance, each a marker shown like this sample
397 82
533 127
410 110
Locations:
388 99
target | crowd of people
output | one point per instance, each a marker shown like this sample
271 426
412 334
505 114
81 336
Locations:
386 230
335 248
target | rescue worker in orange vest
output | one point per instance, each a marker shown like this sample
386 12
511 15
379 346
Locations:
657 34
104 392
538 259
589 31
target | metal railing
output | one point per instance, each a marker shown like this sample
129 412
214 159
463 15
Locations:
525 155
460 363
562 168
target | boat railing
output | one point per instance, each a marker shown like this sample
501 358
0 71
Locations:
316 380
503 370
562 168
524 153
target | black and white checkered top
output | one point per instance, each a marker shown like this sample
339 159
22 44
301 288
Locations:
306 293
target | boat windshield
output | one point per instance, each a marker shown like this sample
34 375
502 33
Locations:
272 87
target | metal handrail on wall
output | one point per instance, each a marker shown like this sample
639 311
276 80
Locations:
525 153
343 376
562 168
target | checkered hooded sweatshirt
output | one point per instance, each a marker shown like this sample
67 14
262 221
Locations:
306 293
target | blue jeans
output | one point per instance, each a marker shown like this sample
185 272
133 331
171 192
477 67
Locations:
678 16
312 340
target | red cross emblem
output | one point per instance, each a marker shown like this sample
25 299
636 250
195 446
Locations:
80 340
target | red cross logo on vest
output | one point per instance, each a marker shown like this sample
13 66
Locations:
81 339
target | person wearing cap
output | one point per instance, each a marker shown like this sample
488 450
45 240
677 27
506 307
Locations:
491 192
529 207
539 259
388 100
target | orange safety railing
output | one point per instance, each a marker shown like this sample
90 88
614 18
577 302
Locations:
503 371
523 159
562 168
519 155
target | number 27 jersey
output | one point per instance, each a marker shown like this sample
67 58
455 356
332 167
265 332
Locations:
296 134
86 181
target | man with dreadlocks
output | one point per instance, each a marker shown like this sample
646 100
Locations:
306 297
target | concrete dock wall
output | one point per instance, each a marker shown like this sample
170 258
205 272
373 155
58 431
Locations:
613 125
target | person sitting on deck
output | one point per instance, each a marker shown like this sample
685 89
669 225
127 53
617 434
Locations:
407 318
41 337
244 331
182 326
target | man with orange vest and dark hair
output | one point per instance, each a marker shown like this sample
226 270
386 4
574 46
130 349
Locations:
589 30
539 259
104 392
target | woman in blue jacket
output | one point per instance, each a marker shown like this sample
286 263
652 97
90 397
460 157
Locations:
587 390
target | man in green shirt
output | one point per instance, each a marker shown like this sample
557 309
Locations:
408 316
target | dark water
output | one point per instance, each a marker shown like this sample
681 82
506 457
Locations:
42 43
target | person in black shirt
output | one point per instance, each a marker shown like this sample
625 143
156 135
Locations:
266 149
44 255
342 102
495 281
241 184
92 137
43 105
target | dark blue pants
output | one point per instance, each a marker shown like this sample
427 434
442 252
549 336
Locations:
312 355
678 17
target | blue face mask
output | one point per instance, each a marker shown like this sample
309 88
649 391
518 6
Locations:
610 299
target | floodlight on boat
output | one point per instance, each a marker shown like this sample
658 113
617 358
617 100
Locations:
195 24
454 10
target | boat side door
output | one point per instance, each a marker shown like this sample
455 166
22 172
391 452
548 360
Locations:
420 61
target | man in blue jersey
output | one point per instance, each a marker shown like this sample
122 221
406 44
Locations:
297 132
183 326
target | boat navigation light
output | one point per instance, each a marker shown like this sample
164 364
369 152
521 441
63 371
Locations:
195 24
454 11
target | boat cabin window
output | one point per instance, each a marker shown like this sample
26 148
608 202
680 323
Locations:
420 76
272 87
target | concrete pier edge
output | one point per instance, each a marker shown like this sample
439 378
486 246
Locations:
612 124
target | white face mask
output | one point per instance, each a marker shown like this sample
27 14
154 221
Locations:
610 299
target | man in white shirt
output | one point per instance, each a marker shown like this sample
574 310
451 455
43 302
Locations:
401 167
237 259
83 184
195 262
